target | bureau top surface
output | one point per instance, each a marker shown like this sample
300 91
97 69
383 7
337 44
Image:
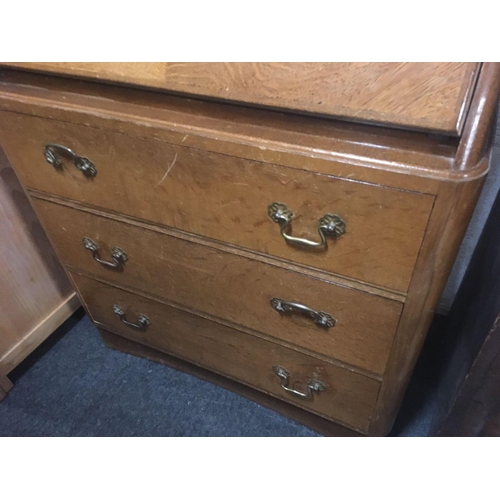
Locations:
428 96
344 149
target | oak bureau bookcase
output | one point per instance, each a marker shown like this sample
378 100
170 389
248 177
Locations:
284 230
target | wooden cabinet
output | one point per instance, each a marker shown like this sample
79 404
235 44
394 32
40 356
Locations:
300 256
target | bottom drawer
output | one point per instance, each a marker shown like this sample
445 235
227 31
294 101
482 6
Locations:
330 390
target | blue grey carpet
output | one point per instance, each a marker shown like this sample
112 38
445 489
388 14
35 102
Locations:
73 385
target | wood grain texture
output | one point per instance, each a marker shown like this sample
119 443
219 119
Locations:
32 339
431 96
353 151
228 286
305 417
32 281
224 247
452 212
226 198
349 397
467 388
479 127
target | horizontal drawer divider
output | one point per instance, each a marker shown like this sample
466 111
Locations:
234 326
227 247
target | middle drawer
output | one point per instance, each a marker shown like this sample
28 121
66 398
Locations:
229 286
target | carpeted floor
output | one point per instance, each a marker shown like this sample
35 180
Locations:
73 385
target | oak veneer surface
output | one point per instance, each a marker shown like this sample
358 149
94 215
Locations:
229 286
227 198
349 397
344 149
433 96
467 389
194 267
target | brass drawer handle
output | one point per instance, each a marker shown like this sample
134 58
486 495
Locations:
117 254
319 317
142 320
313 385
329 225
81 163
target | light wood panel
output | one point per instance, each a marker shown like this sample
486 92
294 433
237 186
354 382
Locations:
48 323
433 96
35 294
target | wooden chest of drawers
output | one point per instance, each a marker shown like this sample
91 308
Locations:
300 256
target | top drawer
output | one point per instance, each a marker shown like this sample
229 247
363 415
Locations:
227 198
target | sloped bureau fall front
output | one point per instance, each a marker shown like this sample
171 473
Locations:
297 257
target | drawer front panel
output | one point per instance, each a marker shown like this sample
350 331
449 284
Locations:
227 198
348 397
229 286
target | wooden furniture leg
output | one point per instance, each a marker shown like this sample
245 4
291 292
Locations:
5 386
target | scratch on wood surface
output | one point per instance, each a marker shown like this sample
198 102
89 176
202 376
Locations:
224 205
168 170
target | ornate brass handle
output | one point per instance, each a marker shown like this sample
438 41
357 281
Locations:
142 320
313 385
81 163
319 317
117 254
329 225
